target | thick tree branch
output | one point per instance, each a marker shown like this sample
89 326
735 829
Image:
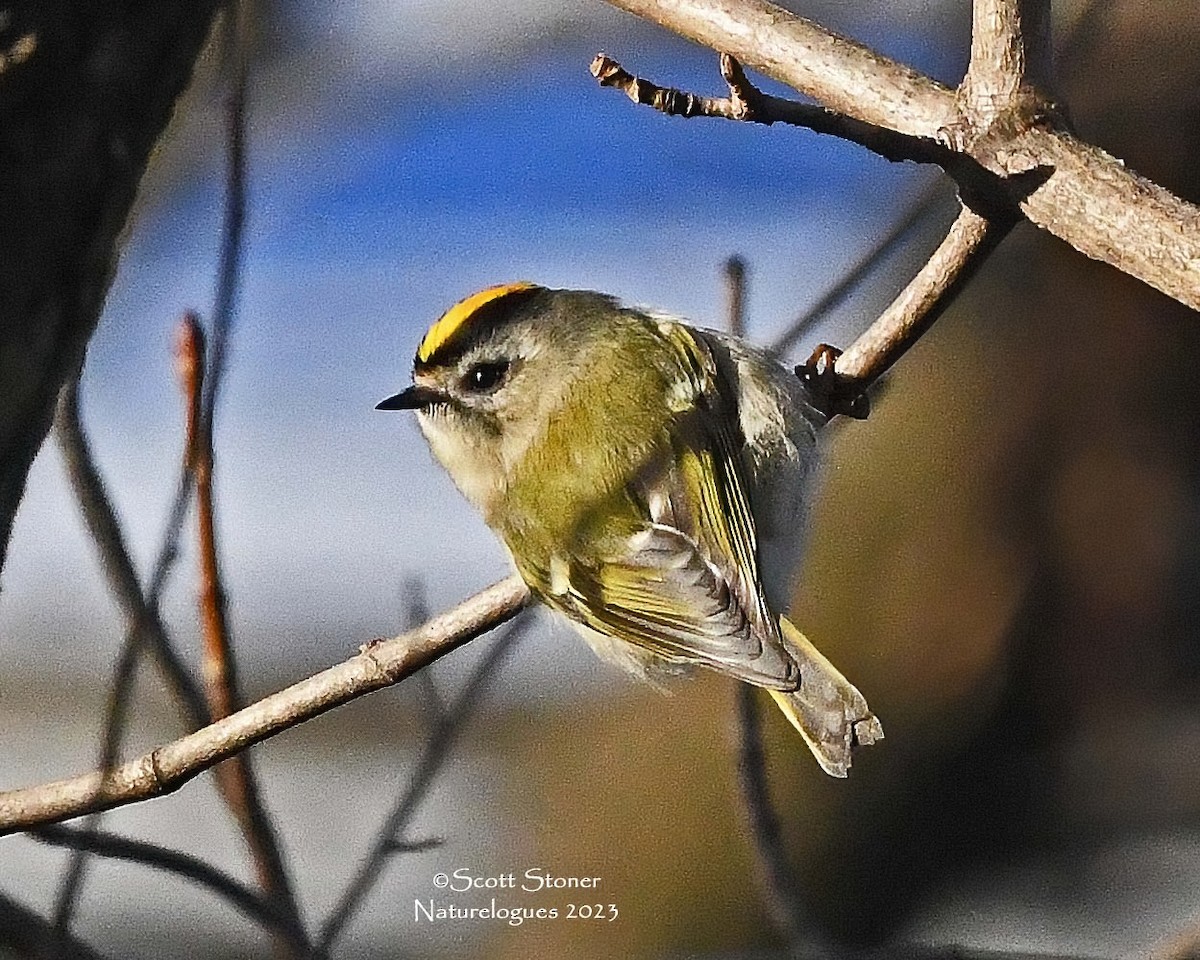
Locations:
1021 159
996 72
844 76
80 110
168 767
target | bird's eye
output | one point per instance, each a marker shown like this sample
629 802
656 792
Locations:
485 377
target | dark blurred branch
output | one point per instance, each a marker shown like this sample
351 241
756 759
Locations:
165 769
735 296
143 625
233 229
390 838
24 933
261 909
776 877
859 272
1018 159
140 612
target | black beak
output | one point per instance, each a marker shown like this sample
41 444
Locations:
415 397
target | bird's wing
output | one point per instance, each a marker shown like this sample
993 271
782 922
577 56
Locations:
685 583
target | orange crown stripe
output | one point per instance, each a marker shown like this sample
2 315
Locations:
461 313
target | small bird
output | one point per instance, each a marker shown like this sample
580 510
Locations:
649 480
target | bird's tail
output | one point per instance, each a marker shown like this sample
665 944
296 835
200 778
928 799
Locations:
829 712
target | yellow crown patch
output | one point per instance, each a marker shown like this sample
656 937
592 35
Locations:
461 312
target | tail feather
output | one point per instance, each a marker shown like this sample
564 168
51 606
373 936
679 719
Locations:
831 715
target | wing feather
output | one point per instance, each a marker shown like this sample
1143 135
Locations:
685 584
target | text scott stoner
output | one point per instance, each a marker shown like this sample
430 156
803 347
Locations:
533 880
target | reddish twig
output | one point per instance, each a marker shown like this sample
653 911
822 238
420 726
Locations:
236 779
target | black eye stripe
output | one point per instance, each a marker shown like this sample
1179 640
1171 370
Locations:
485 377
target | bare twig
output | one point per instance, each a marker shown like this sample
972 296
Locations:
218 670
415 846
747 103
1021 160
229 267
261 909
168 767
390 838
844 76
970 239
140 613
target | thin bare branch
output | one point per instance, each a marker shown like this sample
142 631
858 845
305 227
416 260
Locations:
416 846
390 838
970 239
140 613
261 909
165 769
1025 160
747 103
216 660
233 230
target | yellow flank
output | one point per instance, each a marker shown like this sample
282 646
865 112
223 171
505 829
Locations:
461 312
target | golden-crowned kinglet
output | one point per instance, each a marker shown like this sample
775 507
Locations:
649 480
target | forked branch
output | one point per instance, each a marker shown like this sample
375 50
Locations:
1003 141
